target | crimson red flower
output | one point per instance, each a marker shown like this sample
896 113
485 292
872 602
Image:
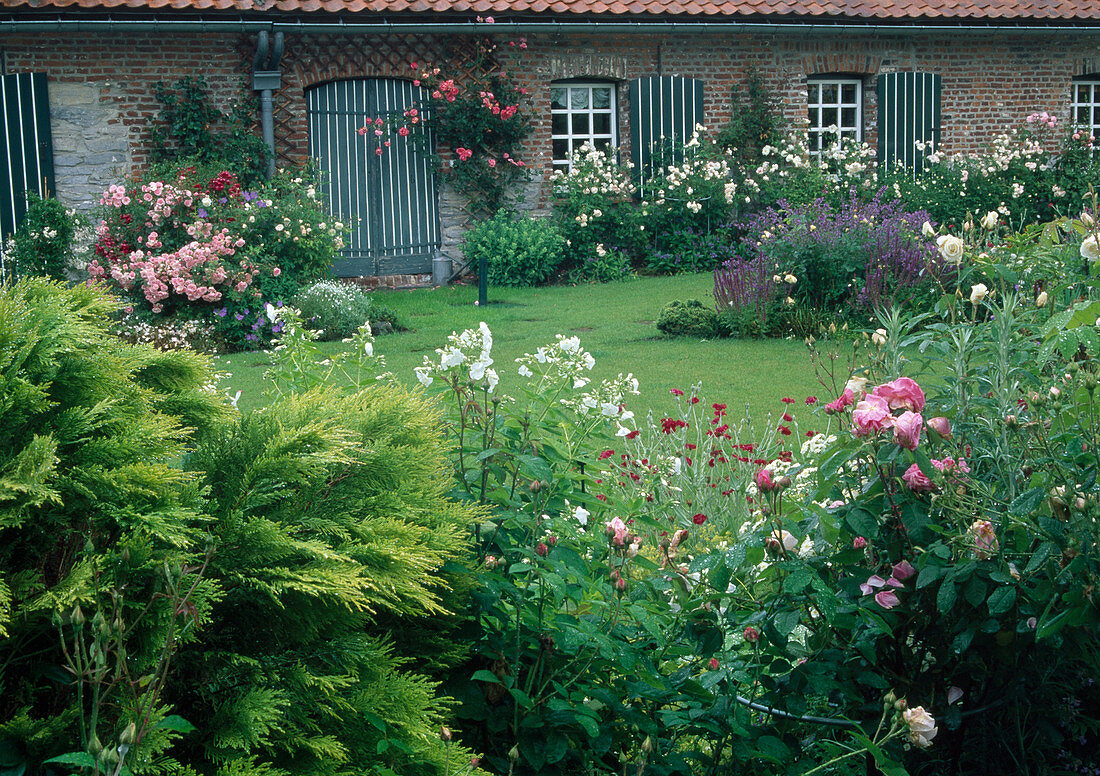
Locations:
676 392
787 400
668 425
694 400
713 664
699 518
606 454
633 434
811 400
784 431
787 418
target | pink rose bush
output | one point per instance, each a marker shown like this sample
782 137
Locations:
204 248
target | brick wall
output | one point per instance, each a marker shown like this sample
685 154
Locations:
990 81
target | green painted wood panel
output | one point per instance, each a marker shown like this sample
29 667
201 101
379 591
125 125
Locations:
388 199
664 111
908 119
26 145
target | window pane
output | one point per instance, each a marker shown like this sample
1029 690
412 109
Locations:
559 124
601 97
561 149
815 94
815 142
814 114
828 93
602 144
830 116
848 117
557 98
601 123
578 98
848 93
1096 116
580 123
1082 116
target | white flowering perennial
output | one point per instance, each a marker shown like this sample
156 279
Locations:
466 358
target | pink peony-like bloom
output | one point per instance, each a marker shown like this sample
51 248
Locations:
907 428
901 394
916 480
871 416
751 634
941 426
859 543
713 664
887 599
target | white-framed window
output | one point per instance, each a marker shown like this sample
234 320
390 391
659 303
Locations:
581 112
835 110
1085 108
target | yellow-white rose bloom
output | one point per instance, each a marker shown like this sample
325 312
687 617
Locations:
978 292
951 248
990 220
1090 248
922 727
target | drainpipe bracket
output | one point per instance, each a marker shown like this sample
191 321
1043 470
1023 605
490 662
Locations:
267 79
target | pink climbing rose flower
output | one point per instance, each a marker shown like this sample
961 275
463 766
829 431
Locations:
907 428
901 394
871 416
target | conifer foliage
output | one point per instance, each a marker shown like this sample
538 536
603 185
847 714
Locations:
185 590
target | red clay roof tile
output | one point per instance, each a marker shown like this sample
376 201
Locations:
1019 10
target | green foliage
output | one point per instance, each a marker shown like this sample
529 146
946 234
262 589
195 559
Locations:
689 318
520 250
337 310
604 267
333 528
44 243
99 527
189 129
755 121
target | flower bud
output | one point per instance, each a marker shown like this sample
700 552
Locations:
941 425
445 733
541 550
1012 422
751 634
128 734
77 616
513 753
647 745
900 704
491 561
620 584
859 543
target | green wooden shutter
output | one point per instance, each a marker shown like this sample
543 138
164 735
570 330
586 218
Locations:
908 114
664 111
388 200
27 148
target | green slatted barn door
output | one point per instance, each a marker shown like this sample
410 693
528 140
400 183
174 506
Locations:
389 200
664 111
27 147
908 116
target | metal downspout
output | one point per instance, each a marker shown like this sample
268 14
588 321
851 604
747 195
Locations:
266 78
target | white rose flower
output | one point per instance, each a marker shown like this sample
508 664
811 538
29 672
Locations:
1090 248
922 727
1041 300
978 292
927 230
951 248
879 337
581 514
857 385
989 221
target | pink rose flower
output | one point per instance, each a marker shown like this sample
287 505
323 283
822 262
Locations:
916 480
764 481
907 429
901 394
871 416
617 530
859 543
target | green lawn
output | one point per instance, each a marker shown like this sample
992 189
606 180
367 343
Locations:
614 321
